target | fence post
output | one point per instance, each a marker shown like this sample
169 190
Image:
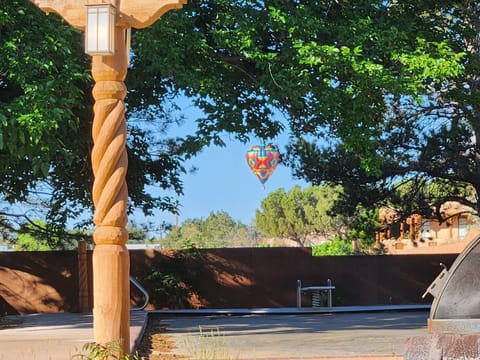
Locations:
83 295
329 293
299 294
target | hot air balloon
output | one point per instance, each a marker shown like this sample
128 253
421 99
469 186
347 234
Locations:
263 160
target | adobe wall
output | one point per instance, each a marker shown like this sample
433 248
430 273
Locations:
266 277
227 278
32 282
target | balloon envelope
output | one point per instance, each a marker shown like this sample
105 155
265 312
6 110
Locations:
263 160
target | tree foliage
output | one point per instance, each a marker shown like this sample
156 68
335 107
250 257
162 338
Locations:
363 226
45 126
43 96
327 66
217 230
391 87
301 214
36 236
425 140
336 247
365 88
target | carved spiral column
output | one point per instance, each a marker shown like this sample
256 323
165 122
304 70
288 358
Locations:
111 265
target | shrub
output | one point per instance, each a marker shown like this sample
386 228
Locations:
336 247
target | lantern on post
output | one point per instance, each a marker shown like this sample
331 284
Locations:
100 29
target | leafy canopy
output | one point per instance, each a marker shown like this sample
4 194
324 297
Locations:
45 127
364 78
301 214
217 230
328 67
426 137
336 247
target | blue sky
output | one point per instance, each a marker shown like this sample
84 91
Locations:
223 180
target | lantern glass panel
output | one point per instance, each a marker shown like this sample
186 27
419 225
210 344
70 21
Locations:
99 32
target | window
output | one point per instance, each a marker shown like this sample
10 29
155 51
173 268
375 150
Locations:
462 227
426 229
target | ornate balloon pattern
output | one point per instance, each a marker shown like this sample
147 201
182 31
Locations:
263 161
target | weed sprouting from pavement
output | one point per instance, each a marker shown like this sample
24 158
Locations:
207 345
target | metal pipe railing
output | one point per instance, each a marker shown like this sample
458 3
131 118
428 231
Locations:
143 291
316 292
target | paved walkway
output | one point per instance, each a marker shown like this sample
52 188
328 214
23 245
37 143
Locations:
357 335
372 335
56 336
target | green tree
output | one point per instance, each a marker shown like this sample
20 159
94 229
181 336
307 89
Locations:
137 233
329 67
27 242
217 230
36 236
363 227
43 98
336 247
299 214
336 72
381 83
45 125
427 142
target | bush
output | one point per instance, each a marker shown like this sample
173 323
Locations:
171 280
336 247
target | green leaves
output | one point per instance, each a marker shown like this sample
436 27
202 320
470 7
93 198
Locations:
431 62
300 214
217 230
37 94
405 106
336 247
365 75
43 83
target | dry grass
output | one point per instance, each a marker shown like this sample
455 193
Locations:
156 344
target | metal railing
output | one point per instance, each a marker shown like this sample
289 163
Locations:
316 293
143 291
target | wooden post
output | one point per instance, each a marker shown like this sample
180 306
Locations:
111 265
83 293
